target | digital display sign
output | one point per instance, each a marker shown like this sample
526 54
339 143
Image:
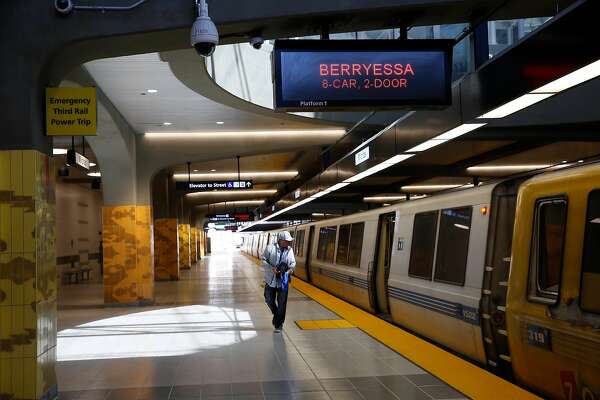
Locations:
214 185
322 75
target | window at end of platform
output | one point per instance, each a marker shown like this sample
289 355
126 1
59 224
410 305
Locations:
590 280
547 249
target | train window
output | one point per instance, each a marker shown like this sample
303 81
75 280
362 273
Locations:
342 247
422 248
590 282
299 243
350 244
356 240
547 250
326 245
453 245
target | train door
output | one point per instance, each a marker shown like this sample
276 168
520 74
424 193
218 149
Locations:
495 281
382 262
311 235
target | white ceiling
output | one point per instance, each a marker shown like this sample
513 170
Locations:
124 79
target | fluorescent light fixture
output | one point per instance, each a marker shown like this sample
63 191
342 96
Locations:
580 161
318 214
219 122
426 145
318 194
152 91
234 192
246 134
167 123
577 77
517 104
234 175
459 131
94 174
433 187
460 226
59 152
595 221
383 199
500 168
213 170
240 203
93 164
336 187
379 167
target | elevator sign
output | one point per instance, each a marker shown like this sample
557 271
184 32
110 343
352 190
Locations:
71 111
214 185
321 75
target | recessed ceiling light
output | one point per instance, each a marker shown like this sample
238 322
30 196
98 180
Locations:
220 122
167 123
195 170
564 161
213 170
580 161
93 164
59 152
94 174
152 91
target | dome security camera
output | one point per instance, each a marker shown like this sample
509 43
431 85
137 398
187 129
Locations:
204 35
257 42
63 6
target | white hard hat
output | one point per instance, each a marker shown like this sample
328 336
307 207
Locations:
285 235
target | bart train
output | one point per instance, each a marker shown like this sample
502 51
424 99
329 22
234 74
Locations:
506 274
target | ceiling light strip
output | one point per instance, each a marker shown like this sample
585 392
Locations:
244 175
246 134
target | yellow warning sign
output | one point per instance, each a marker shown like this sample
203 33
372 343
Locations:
71 111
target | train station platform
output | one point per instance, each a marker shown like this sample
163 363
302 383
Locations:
209 336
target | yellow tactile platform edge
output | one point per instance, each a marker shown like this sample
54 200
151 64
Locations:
311 324
465 377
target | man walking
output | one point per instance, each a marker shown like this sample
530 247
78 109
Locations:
279 263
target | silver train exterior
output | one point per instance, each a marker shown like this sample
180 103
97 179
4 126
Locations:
448 285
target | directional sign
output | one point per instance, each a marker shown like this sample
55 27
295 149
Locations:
214 185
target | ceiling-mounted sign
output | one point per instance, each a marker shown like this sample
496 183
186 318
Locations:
76 159
361 156
321 75
235 217
214 185
71 111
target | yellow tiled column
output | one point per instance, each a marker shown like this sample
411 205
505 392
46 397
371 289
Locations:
194 244
128 254
184 246
27 276
166 250
201 237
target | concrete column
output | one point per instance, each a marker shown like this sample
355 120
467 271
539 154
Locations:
27 276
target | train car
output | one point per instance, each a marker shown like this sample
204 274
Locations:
553 305
506 274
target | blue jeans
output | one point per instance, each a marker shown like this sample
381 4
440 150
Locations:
276 299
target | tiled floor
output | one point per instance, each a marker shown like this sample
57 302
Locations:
210 337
